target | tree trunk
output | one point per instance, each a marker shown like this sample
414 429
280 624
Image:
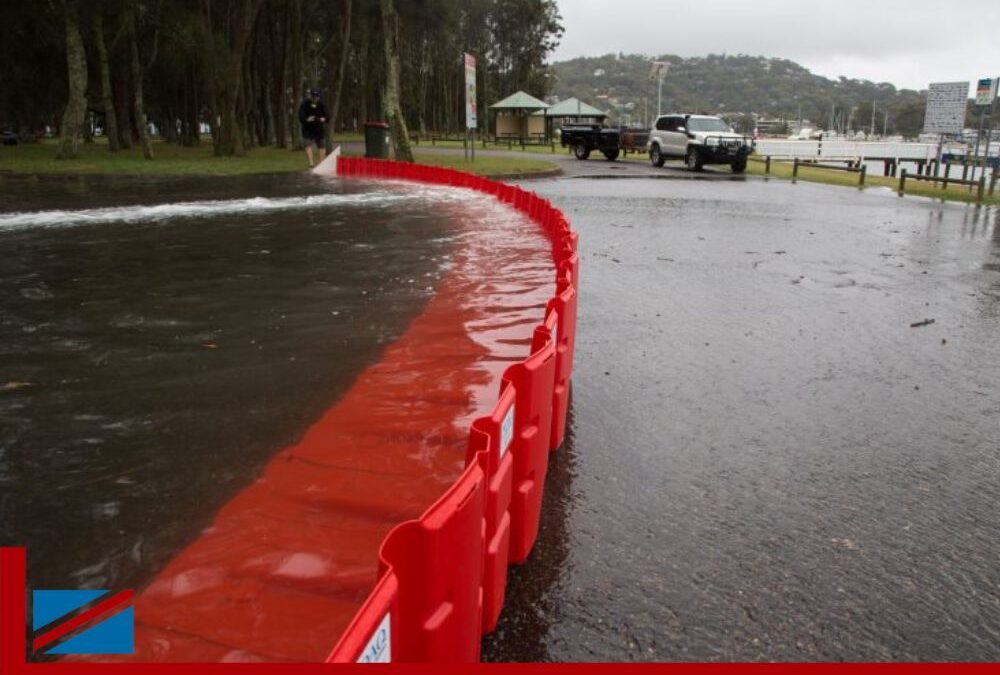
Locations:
136 65
231 132
425 77
107 98
122 114
338 86
390 103
76 69
296 74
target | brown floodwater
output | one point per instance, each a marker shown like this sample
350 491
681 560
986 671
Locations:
159 343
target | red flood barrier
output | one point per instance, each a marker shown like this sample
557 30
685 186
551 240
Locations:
534 381
442 578
494 436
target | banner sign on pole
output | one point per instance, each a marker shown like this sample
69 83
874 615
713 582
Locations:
946 103
986 92
471 114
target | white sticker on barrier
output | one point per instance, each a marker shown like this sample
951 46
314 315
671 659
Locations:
379 648
506 431
555 332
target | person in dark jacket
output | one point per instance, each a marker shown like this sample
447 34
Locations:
313 117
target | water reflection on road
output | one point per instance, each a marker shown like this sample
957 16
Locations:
768 462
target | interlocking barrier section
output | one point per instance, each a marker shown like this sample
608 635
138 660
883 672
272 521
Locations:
258 576
442 577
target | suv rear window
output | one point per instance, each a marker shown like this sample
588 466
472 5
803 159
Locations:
707 124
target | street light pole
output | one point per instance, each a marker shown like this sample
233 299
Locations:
659 71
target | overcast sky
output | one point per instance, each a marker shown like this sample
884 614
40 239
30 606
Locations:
908 43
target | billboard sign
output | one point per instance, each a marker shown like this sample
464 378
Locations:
986 92
946 103
471 114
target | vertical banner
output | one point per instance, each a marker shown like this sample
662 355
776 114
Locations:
471 114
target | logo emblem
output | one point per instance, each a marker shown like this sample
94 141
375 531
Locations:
82 622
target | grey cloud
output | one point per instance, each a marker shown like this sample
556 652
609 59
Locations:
907 43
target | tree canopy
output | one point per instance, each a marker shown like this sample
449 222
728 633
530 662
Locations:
241 67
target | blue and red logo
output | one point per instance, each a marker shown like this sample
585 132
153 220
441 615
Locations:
82 622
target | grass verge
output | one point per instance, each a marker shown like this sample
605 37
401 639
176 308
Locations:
812 174
487 165
40 159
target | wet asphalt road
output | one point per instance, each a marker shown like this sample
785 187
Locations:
765 460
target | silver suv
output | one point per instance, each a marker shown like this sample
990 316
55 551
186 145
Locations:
700 140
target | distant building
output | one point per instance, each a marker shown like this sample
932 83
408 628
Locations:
772 127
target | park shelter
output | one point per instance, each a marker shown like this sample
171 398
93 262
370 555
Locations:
575 111
514 116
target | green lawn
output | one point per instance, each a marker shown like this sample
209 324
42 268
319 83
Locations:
40 158
487 165
528 149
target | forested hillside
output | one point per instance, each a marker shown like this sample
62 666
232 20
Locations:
768 87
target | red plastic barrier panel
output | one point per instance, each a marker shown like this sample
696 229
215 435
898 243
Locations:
439 563
534 381
565 305
572 265
370 637
450 567
494 435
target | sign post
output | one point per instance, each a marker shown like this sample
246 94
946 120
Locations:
946 102
986 94
471 112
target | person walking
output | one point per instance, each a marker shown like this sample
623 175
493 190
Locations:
313 117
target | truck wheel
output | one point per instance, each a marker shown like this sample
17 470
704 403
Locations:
612 155
694 160
581 152
739 166
656 157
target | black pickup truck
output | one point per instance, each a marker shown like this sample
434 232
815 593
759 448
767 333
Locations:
586 138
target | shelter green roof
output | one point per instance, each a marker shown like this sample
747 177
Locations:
520 101
573 107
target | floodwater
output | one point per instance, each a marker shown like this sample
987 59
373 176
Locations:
226 403
765 460
149 368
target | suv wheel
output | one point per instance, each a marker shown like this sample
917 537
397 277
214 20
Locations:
694 160
740 165
581 152
656 157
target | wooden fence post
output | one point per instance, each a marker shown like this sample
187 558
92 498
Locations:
902 182
795 170
864 172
